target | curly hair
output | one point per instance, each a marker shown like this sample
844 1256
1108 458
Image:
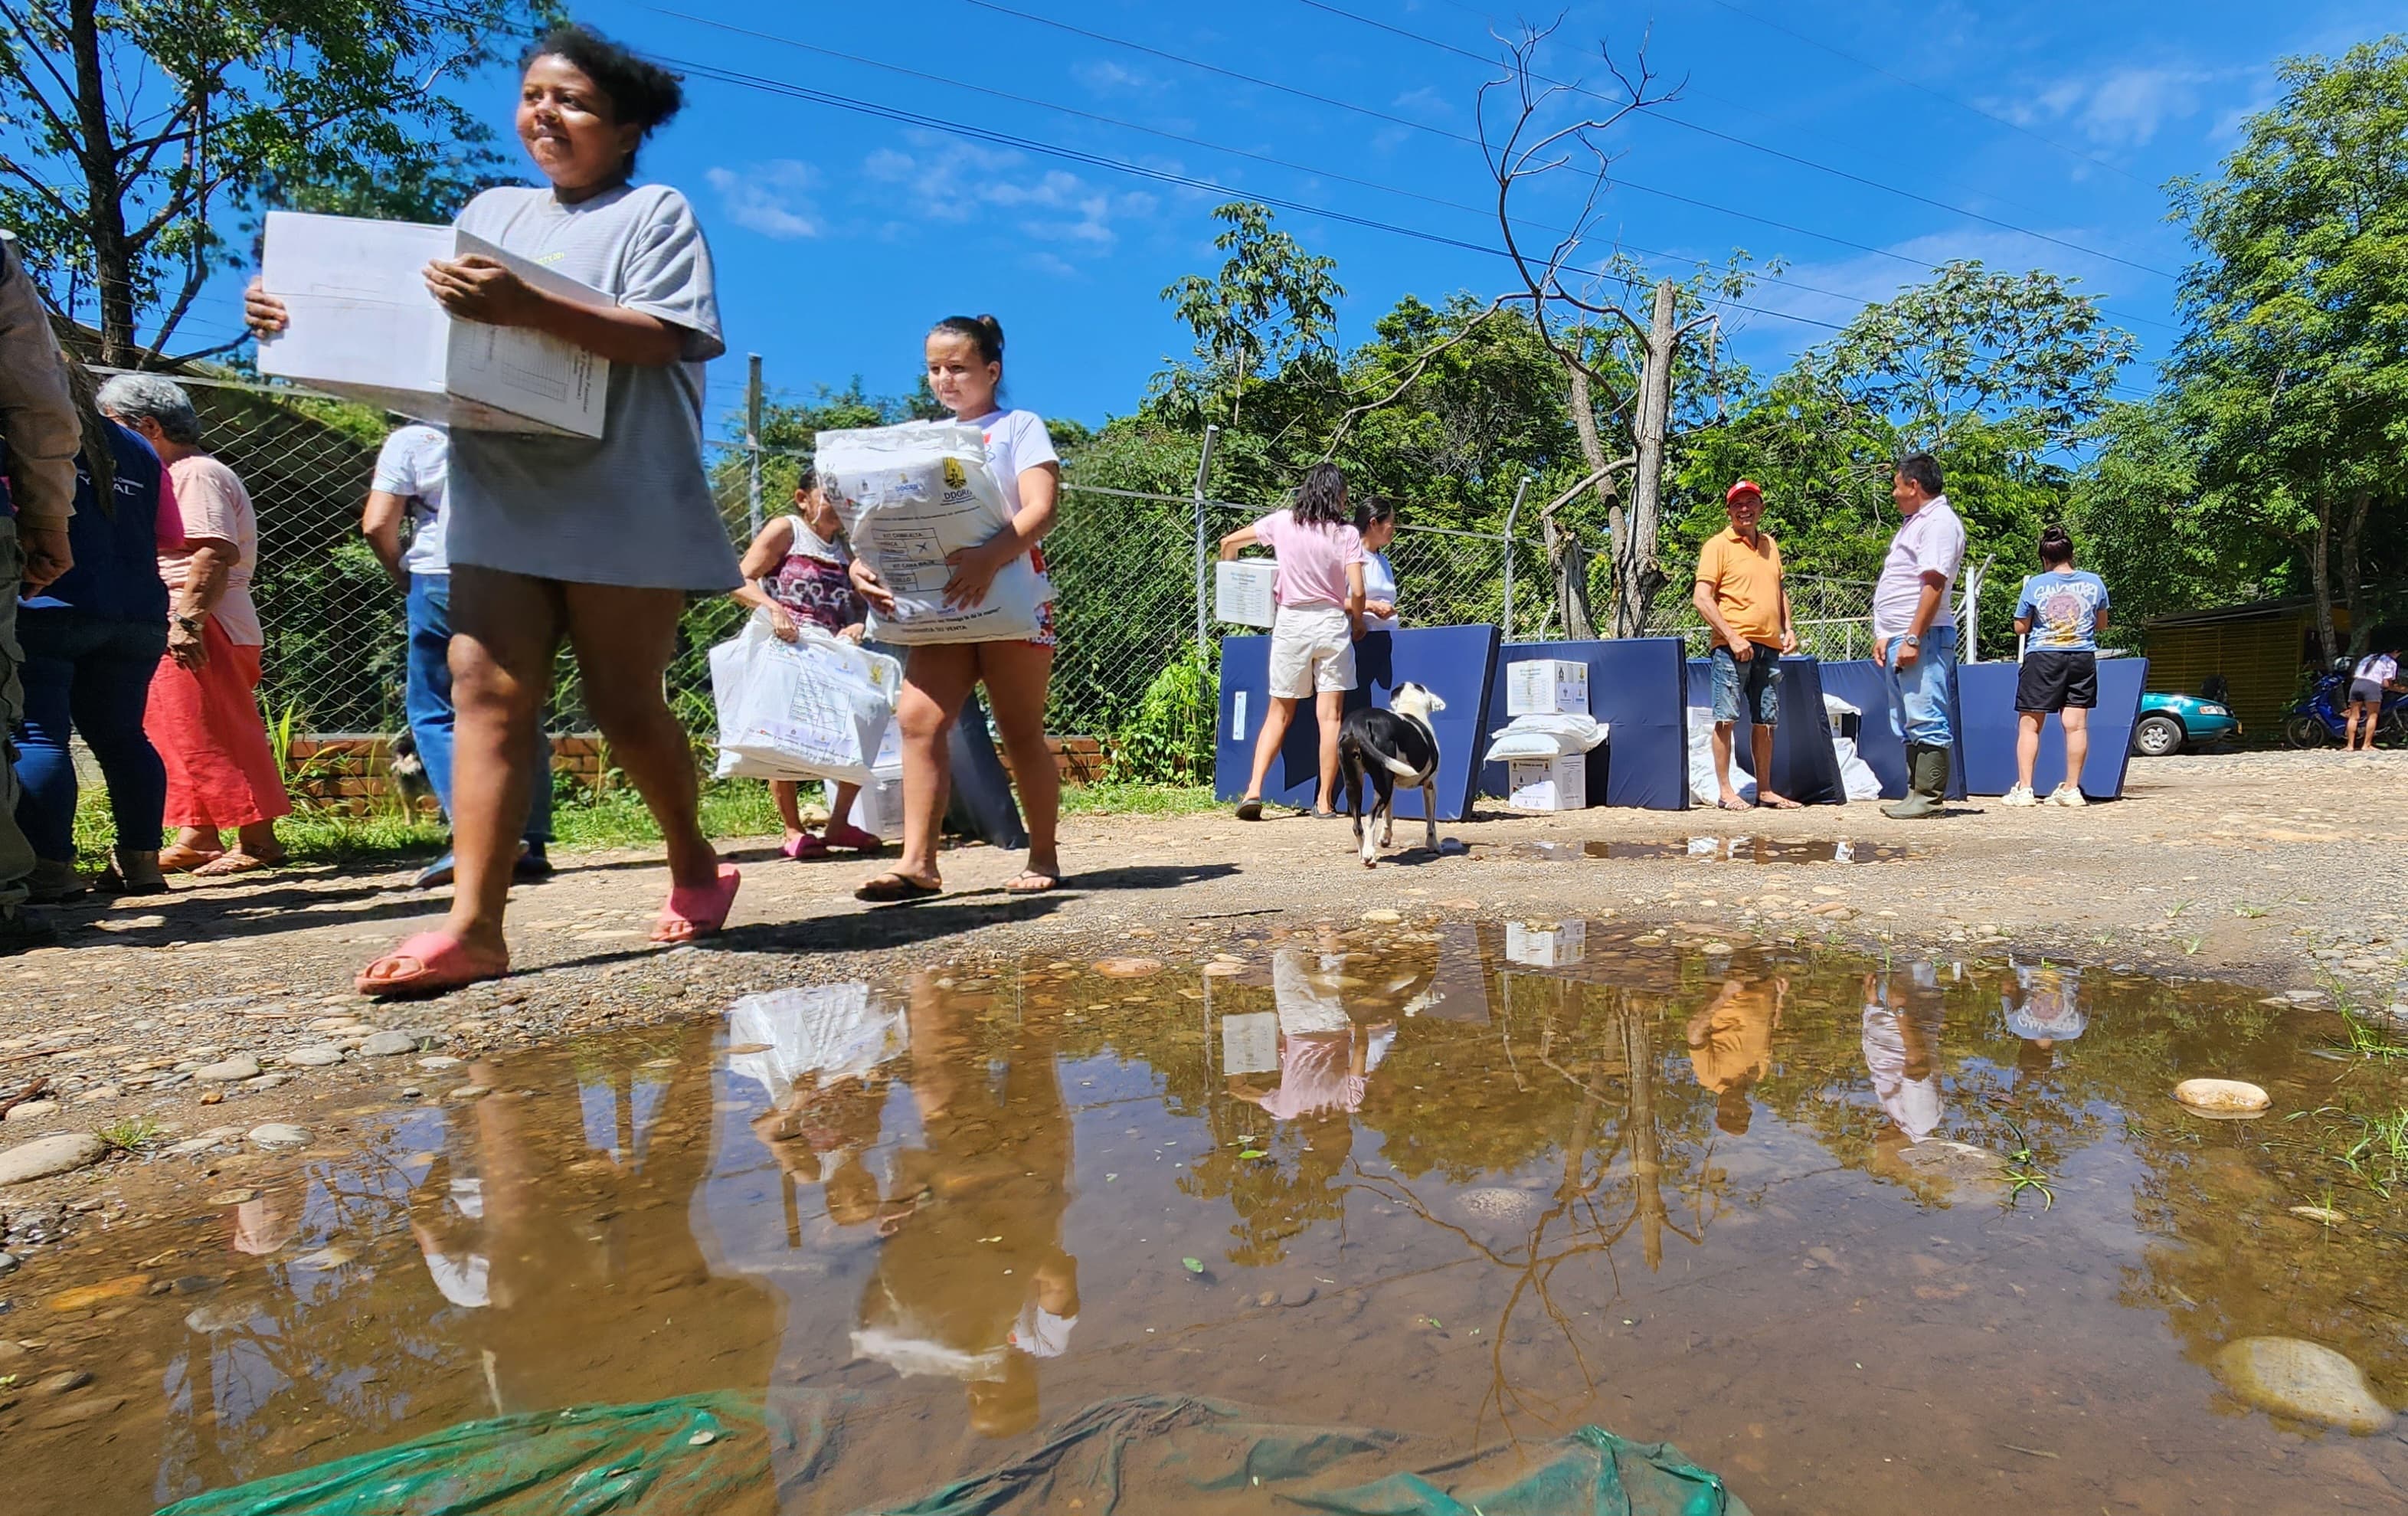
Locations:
1321 500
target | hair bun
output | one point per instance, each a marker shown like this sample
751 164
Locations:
994 330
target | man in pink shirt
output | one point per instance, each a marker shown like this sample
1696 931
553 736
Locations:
1320 619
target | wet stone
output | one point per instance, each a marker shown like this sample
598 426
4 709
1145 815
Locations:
316 1057
389 1045
278 1134
65 1381
59 1153
2291 1377
230 1071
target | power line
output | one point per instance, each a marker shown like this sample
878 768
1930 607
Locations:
1670 119
1620 181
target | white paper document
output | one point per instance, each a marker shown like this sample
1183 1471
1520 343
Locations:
361 324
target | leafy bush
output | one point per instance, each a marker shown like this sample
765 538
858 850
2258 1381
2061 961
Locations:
1167 740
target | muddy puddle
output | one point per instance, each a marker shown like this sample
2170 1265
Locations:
1858 1236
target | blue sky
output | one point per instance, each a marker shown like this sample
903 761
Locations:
1876 139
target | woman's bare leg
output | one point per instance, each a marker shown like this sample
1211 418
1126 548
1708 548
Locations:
937 679
505 630
787 795
1017 675
840 808
2077 742
1266 746
625 638
2028 724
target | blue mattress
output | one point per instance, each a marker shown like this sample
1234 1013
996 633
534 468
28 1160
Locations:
1987 697
1639 688
1805 767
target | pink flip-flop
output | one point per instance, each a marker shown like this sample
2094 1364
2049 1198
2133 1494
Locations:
698 911
444 963
804 847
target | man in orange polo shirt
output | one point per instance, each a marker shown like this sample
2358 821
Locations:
1743 601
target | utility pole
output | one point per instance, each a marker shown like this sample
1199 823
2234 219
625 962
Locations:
753 441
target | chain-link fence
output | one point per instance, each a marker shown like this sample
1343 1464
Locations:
1132 570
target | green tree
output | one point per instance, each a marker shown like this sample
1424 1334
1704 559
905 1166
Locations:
1270 311
143 129
2293 374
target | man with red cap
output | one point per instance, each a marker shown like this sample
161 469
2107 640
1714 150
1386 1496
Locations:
1740 595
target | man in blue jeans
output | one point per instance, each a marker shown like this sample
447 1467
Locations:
411 472
1914 631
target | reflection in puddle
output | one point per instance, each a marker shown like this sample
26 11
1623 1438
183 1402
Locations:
1487 1182
1708 849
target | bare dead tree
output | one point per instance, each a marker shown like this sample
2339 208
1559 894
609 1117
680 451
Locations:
1521 142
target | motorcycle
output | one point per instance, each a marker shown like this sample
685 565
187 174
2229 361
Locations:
2322 717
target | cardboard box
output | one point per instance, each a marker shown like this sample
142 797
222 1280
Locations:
1543 686
1556 783
1242 592
1250 1043
363 326
1556 946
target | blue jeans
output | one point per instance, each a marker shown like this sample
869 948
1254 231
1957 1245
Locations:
1923 702
92 674
426 700
1753 687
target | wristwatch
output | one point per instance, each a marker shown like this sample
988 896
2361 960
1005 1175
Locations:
1912 641
192 623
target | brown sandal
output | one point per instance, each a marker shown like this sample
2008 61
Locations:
236 861
180 858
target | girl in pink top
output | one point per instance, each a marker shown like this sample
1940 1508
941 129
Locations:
1320 619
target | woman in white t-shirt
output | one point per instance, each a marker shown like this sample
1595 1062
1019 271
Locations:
965 357
1375 520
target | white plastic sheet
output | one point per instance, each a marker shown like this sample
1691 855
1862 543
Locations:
816 708
1703 789
1856 776
911 496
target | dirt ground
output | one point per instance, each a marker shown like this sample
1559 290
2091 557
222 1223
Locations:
2277 870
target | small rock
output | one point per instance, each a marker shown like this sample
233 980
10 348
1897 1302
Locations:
2324 1213
219 1315
33 1110
1128 967
1716 949
317 1057
389 1045
61 1152
66 1381
467 1091
213 1097
440 1061
230 1071
275 1134
124 1288
269 1081
1956 1163
1384 915
1220 970
232 1197
76 1412
2291 1377
8 1263
2222 1097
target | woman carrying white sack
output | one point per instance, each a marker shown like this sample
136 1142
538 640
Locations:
964 358
797 571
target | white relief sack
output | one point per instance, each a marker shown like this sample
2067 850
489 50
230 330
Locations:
816 708
910 496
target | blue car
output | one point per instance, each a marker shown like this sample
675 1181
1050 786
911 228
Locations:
2170 723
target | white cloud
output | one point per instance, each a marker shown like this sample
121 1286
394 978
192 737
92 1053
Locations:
769 198
2122 107
1105 77
1867 279
960 181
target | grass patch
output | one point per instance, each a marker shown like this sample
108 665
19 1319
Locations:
585 820
131 1133
1120 797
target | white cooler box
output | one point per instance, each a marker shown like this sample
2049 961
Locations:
1555 784
1546 686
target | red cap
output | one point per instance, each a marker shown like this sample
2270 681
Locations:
1745 487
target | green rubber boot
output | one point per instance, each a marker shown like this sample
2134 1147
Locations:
1927 783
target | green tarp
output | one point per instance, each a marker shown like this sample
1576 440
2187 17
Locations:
1136 1457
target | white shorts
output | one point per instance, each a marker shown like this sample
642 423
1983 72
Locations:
1313 648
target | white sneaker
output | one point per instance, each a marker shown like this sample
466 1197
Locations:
2066 795
2020 795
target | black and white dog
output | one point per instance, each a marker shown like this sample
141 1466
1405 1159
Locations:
1392 745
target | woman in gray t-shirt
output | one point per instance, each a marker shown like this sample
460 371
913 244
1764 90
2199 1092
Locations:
597 540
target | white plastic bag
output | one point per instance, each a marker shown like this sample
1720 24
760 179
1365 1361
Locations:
1856 776
1545 735
832 1031
910 495
878 809
815 708
1703 789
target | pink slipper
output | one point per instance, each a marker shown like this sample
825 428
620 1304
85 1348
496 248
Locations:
803 846
852 839
440 962
698 911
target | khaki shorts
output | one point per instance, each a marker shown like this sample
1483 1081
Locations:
1313 648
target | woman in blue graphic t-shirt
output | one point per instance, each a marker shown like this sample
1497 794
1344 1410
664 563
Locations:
2061 612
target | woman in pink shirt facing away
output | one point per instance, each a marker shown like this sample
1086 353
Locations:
1320 619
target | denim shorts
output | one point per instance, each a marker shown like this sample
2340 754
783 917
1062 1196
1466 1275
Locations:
1754 686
